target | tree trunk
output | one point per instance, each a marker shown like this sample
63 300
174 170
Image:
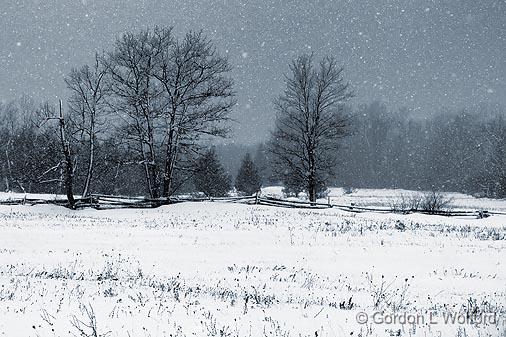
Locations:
312 174
89 175
9 170
146 169
155 184
170 161
67 154
312 190
167 176
154 175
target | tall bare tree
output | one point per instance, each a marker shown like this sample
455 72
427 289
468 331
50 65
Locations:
197 98
68 158
137 94
87 103
310 122
67 165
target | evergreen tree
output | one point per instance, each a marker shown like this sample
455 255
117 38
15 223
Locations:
210 177
263 162
248 179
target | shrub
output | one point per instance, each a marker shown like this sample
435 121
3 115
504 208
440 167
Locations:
434 202
430 202
349 190
406 203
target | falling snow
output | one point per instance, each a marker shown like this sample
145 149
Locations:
426 54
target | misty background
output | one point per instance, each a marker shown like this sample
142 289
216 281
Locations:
422 55
429 77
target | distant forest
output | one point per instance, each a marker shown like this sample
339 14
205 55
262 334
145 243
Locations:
144 118
462 151
454 150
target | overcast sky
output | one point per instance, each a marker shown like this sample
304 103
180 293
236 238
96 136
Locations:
414 53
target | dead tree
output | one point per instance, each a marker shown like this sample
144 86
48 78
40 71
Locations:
197 98
310 123
88 86
68 162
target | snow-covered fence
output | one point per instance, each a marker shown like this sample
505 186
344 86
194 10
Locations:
104 201
32 201
357 209
101 201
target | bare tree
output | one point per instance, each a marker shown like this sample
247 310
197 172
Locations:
197 99
88 106
136 94
310 122
68 159
68 164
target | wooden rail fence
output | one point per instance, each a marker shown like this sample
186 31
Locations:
101 201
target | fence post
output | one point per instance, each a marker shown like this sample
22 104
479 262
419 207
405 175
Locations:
256 198
330 205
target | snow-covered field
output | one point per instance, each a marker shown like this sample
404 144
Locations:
216 269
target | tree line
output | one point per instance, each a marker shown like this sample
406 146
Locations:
141 118
461 150
33 161
453 150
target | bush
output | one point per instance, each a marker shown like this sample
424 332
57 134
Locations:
406 203
431 202
434 202
349 190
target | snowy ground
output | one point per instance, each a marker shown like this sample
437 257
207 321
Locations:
213 269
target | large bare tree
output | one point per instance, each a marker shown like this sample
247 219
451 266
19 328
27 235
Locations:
136 95
87 103
170 94
197 98
310 123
